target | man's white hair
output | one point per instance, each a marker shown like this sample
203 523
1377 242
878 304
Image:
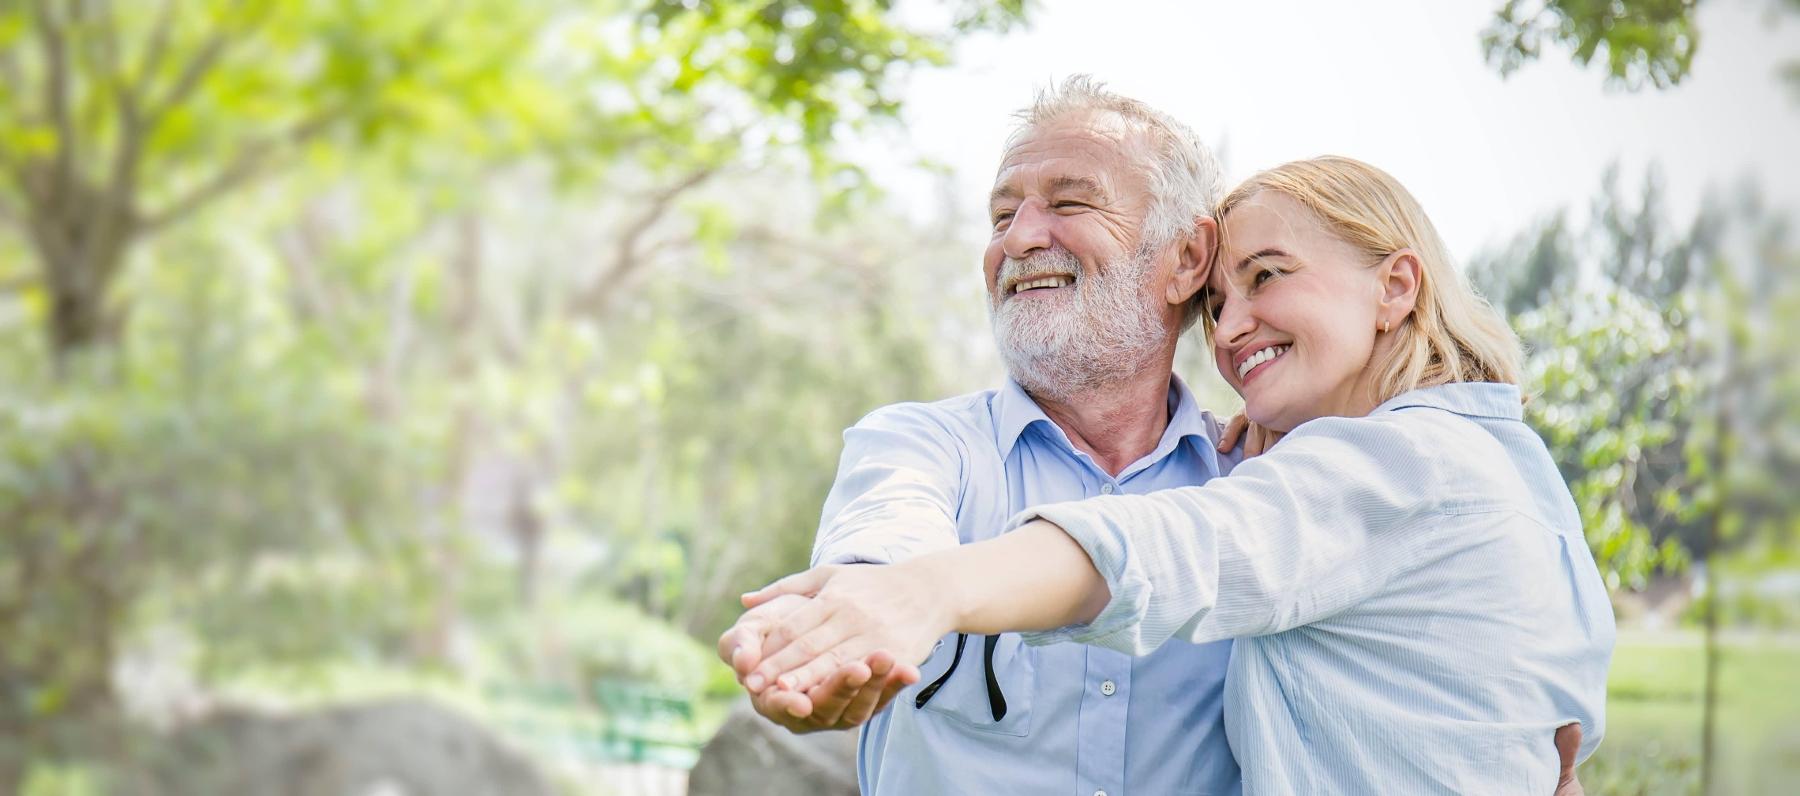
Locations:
1184 175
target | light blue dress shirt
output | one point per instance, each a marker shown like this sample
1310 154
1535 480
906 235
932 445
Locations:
1080 720
1415 608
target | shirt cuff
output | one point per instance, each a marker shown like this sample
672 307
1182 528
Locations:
1119 623
847 556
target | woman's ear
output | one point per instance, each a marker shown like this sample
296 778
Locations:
1193 262
1399 275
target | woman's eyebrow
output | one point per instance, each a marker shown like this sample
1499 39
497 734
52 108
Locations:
1264 254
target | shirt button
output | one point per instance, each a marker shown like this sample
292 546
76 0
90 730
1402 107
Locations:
1106 489
1107 688
1099 793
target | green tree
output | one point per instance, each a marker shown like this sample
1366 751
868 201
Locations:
1639 42
264 417
1662 386
128 118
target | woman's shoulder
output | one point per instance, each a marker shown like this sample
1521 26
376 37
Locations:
1403 432
1419 442
1429 417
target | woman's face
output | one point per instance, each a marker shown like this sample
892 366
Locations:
1297 314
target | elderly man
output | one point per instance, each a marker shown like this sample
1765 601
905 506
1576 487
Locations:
1101 238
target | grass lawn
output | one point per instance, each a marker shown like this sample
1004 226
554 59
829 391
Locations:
1652 741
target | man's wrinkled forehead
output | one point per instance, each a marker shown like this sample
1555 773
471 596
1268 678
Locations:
1092 146
1105 125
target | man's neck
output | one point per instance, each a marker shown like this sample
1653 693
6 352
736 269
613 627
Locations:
1116 424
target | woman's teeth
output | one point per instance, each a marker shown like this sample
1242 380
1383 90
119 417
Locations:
1260 357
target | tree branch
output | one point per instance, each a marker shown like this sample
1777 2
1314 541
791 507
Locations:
15 284
253 160
121 184
106 51
159 42
56 88
9 66
194 71
626 257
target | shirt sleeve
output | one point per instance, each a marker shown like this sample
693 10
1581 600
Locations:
1320 522
898 485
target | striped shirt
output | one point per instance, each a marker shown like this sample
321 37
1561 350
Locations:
1415 607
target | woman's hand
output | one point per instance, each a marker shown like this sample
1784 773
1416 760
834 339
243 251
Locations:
852 695
1257 439
856 611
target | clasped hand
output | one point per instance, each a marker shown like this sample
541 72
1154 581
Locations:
830 647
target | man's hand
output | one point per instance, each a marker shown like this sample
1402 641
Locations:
853 694
855 613
1256 439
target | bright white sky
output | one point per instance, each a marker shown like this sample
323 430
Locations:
1402 85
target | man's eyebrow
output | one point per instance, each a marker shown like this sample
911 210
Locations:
1082 184
1066 184
1264 254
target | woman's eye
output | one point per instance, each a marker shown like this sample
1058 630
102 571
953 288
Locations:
1265 275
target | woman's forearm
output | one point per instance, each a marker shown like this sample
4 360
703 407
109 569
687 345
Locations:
1034 578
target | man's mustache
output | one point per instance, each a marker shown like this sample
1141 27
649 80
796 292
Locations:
1054 262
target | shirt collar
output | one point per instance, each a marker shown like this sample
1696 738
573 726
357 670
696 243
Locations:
1014 411
1473 399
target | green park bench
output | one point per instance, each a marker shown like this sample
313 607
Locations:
635 723
644 724
547 716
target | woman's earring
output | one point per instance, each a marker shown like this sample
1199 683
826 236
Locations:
1384 326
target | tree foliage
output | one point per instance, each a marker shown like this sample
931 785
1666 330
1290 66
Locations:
1659 382
129 118
1641 42
1638 42
327 329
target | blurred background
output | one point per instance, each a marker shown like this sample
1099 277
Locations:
394 397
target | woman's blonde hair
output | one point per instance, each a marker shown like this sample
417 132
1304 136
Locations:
1452 334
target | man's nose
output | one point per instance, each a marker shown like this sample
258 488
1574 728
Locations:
1028 231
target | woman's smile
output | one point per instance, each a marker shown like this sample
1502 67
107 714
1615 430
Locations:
1253 362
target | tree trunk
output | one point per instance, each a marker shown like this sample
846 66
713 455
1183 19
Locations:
1709 703
81 235
12 769
1723 447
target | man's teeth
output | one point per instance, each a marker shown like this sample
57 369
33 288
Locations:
1048 281
1260 357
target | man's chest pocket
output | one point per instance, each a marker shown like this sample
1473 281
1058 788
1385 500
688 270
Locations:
984 682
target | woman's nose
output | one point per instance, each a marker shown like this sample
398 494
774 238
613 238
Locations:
1235 323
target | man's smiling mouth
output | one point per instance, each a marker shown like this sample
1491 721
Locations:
1041 283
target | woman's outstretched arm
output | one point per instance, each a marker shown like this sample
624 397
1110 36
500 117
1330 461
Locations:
1035 578
1289 538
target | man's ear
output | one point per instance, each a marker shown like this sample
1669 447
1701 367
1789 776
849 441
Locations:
1399 278
1193 262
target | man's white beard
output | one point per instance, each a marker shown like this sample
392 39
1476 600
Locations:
1102 334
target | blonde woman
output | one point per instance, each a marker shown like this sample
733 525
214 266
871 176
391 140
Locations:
1405 571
